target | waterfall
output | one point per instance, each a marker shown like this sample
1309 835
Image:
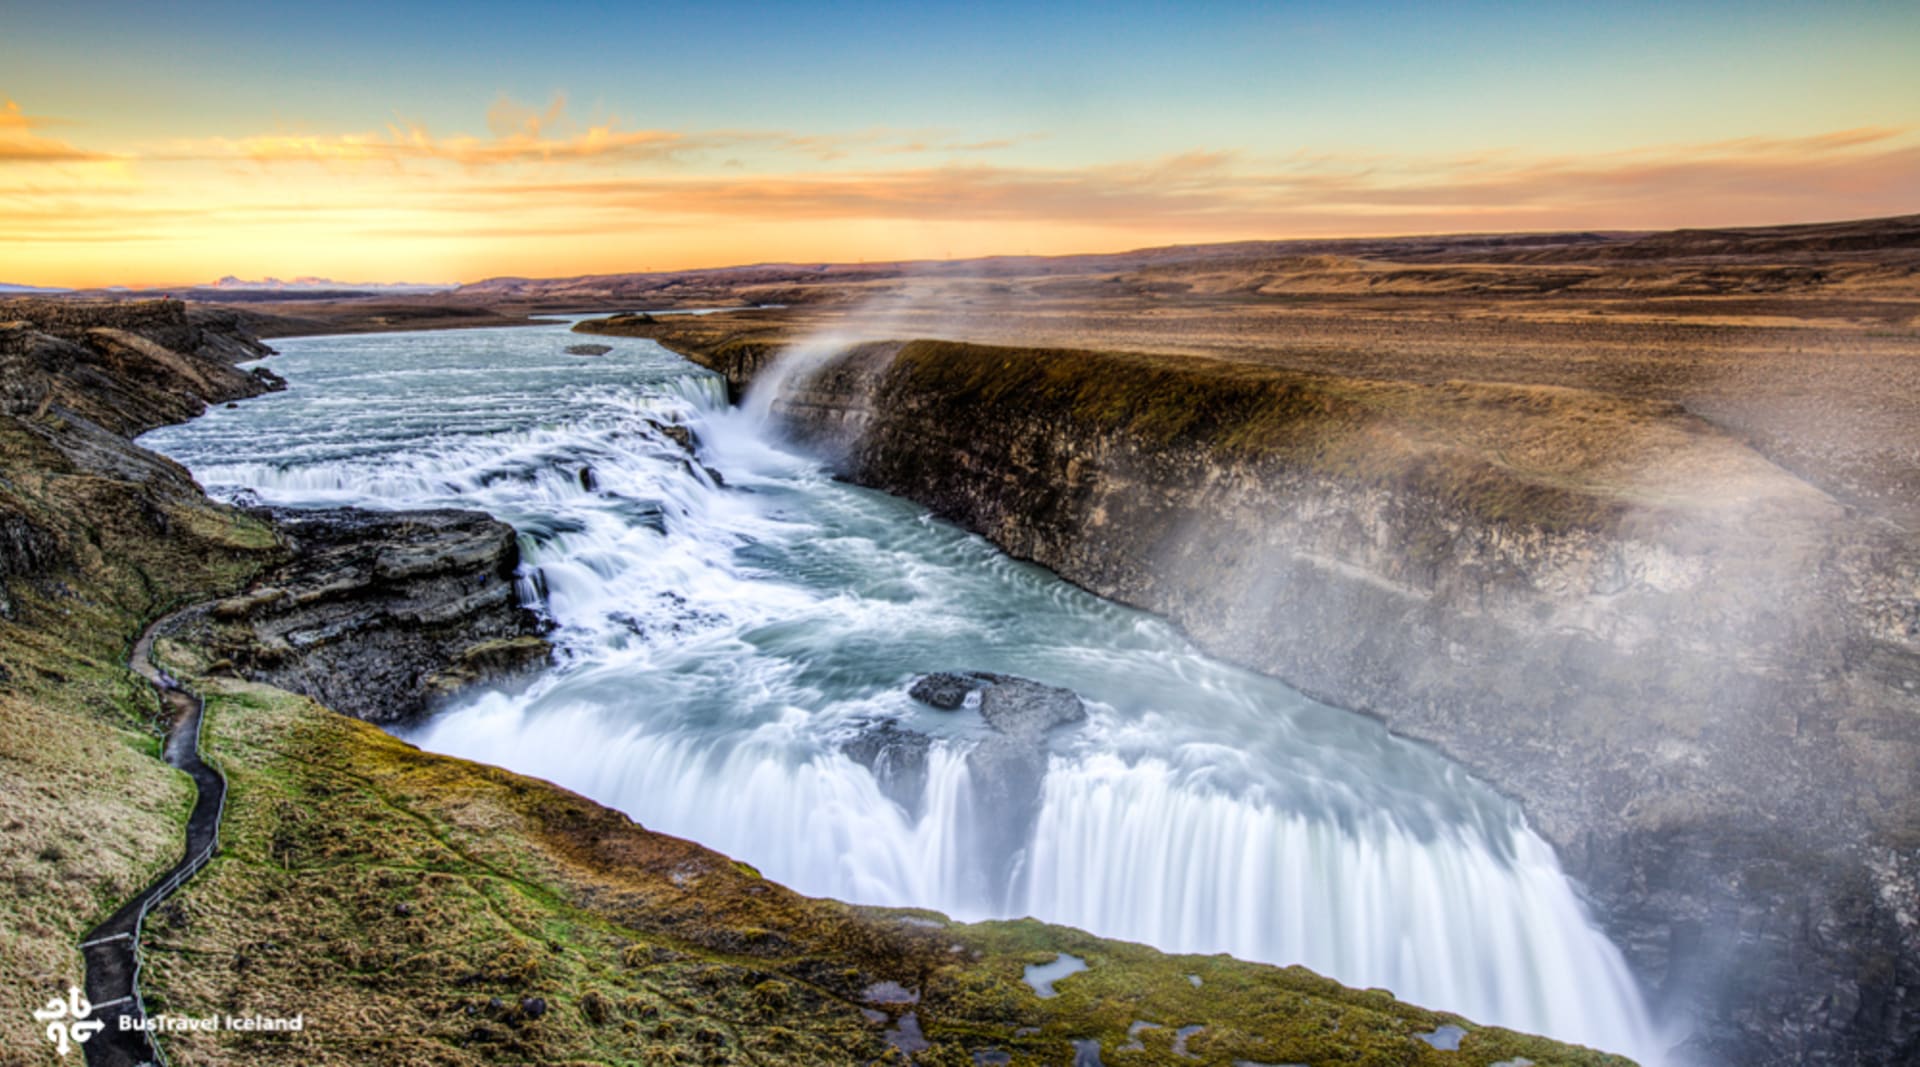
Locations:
720 645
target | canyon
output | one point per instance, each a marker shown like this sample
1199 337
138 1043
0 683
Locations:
1695 668
410 907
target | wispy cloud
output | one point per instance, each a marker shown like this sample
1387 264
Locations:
20 144
519 133
519 195
1850 171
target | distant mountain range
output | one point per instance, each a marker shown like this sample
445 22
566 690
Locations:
311 284
230 284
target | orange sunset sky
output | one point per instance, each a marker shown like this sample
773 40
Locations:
174 144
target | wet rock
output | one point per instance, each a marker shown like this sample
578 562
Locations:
889 992
1445 1038
1026 710
906 1035
588 350
533 1007
673 431
589 481
946 690
380 615
1017 707
898 759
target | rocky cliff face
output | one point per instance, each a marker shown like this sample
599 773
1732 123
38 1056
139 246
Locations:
125 366
1700 676
379 615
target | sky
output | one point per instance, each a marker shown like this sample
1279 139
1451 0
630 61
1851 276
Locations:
175 143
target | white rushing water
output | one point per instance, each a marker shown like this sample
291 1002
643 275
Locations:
719 643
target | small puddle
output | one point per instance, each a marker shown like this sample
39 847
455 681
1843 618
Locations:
906 1035
1445 1038
1086 1052
1195 979
1041 976
1134 1044
992 1057
1180 1040
889 993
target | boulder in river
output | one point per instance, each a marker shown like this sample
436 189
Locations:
588 350
898 759
946 690
1018 707
1026 710
673 431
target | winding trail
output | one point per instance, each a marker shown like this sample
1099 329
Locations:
112 949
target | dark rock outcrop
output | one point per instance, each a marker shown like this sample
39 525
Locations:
1709 700
588 350
680 435
381 614
1017 707
126 366
1026 710
898 759
945 690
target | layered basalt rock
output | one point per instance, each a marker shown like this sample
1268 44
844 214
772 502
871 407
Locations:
127 366
1699 674
380 615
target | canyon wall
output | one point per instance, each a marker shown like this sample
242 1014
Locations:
1696 673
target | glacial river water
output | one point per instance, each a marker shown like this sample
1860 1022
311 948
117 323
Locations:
718 643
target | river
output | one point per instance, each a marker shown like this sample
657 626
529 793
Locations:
720 639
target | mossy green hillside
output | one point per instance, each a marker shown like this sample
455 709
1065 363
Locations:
88 812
